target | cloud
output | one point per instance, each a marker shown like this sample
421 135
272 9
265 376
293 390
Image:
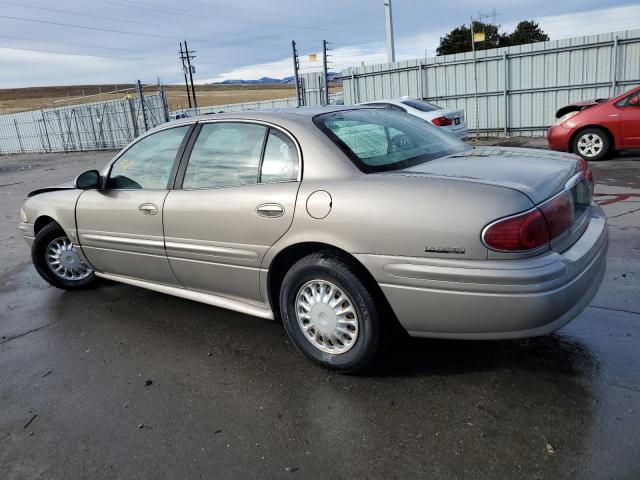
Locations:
415 46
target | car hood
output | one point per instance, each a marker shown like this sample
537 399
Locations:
64 186
539 174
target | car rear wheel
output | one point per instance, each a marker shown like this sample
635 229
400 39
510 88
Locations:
58 262
592 144
329 314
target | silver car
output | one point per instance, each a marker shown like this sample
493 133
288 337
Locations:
449 119
343 222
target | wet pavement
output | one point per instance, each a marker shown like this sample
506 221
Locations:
121 382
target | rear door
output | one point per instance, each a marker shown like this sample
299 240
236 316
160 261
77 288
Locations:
120 226
630 121
234 198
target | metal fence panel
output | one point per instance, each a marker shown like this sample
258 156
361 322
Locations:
91 126
519 88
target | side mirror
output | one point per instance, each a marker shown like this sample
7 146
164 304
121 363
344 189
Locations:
88 180
635 100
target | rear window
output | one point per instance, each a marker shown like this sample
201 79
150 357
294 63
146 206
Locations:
422 106
381 140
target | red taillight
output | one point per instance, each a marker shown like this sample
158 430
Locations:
588 173
557 212
522 232
441 121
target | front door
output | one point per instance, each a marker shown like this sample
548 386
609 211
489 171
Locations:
120 226
630 122
237 197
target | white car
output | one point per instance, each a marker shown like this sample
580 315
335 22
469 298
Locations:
450 120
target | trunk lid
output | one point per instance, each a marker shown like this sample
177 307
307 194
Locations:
539 174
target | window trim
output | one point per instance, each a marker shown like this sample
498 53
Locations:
186 156
106 171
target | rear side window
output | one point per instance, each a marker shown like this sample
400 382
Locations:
421 105
225 154
280 163
380 140
147 164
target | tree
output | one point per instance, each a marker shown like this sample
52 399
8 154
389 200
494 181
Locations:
527 31
458 40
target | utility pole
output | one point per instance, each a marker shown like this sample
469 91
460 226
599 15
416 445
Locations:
475 79
481 16
184 70
391 50
296 66
325 72
189 57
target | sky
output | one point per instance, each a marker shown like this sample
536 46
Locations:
118 41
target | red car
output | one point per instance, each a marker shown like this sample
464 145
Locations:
594 129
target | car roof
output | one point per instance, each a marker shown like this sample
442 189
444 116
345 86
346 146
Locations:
273 115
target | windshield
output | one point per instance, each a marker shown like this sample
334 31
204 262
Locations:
378 140
422 106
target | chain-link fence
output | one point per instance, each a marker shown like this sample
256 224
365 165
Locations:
91 126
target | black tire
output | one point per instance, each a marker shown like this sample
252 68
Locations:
598 133
38 253
331 268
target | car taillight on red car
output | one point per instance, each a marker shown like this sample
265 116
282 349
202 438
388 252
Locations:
442 121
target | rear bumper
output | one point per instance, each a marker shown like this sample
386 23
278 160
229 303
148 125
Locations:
494 299
558 138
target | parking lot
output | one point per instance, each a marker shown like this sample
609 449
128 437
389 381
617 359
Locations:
121 382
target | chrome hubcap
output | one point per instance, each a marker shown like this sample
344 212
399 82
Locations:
64 261
327 317
590 144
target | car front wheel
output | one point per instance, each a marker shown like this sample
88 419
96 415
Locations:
58 262
592 144
329 314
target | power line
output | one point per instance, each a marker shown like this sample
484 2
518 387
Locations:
69 53
100 17
151 7
84 27
159 54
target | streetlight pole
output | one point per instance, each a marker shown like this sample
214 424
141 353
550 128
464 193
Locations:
391 51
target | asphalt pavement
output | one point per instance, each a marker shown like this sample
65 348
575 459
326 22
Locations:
121 382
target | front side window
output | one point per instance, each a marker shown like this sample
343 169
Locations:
381 140
147 164
225 154
280 163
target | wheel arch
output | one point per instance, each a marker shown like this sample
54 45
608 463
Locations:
285 259
41 222
599 127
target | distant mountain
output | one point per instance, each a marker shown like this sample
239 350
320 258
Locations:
270 81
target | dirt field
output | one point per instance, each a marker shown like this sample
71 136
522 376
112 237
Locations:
21 99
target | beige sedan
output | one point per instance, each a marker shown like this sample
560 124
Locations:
344 223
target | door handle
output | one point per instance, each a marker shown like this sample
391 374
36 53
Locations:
148 209
270 210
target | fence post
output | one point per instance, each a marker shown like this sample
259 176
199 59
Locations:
614 69
74 115
165 107
46 130
15 123
505 60
134 121
141 99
